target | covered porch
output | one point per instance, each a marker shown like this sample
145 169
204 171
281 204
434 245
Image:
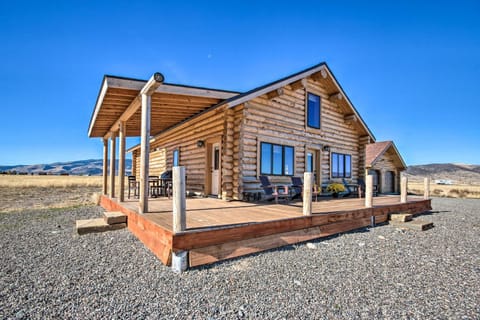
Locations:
128 107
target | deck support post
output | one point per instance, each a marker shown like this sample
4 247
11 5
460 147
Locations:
113 152
105 166
426 193
307 193
121 162
179 201
369 191
403 190
146 93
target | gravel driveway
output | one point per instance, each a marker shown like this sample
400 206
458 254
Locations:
46 271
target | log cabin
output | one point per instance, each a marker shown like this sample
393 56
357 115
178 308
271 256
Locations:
304 122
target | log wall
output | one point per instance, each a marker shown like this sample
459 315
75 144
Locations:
208 126
282 120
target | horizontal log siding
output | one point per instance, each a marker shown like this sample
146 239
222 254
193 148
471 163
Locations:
185 137
282 120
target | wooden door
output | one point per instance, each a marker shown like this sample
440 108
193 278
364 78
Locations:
312 164
215 172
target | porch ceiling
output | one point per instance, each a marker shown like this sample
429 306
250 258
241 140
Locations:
171 104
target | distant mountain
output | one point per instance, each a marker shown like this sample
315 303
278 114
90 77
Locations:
80 167
456 172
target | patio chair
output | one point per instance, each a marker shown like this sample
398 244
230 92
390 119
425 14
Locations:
348 190
132 184
274 191
297 186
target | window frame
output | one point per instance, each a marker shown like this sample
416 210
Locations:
307 99
341 163
284 161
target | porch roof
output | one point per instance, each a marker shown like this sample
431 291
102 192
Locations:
374 152
119 99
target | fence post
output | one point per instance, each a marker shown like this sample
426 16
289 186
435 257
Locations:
426 192
403 190
307 193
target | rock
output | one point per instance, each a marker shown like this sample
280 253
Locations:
311 246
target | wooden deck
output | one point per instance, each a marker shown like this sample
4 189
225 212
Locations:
218 230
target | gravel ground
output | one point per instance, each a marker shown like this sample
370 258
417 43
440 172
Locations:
46 271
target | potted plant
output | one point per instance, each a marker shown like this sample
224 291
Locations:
335 188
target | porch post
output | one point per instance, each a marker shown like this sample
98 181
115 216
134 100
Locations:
369 191
145 152
121 162
113 140
403 190
426 193
152 84
179 202
105 166
307 193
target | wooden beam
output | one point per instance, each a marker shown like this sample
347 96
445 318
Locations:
121 161
146 93
113 140
275 93
350 118
302 83
155 81
105 166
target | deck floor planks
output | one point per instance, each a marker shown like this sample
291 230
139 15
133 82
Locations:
210 212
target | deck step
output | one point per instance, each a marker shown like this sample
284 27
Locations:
96 225
401 217
114 217
419 225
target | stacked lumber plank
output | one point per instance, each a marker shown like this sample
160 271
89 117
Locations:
403 220
112 220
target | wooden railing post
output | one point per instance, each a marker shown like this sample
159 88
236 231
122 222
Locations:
369 191
403 190
180 258
179 201
307 193
426 193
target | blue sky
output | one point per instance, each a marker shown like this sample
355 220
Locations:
411 68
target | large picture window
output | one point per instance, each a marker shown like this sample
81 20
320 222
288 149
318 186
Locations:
276 159
313 110
341 165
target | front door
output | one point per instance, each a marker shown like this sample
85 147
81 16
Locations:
312 164
215 174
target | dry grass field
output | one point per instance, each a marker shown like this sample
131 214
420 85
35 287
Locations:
451 191
38 192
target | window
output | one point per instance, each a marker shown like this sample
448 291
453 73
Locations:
176 158
341 165
276 159
313 111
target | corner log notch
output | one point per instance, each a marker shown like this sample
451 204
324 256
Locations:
320 75
340 101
